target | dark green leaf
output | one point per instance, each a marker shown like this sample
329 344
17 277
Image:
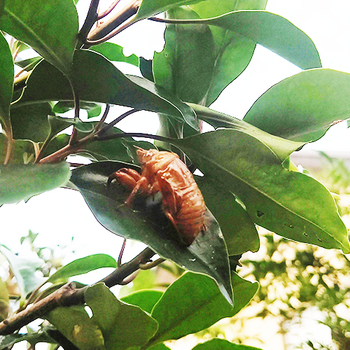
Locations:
23 268
232 52
6 83
146 68
222 344
237 227
114 52
20 182
48 26
304 106
22 151
106 85
185 66
83 265
281 147
30 122
146 222
145 299
159 347
76 325
115 319
291 204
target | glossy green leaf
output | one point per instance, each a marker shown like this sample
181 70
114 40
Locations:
48 26
114 52
76 325
222 344
304 106
185 66
107 85
22 151
6 82
24 268
146 222
232 52
30 122
145 299
236 225
20 182
149 8
159 347
194 302
115 319
83 265
292 204
281 147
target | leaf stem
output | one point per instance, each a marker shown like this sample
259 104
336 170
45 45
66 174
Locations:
90 20
109 10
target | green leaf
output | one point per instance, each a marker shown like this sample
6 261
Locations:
30 122
281 147
20 182
114 52
243 291
237 227
185 66
6 83
83 265
22 151
271 31
304 106
232 52
145 299
146 222
115 319
108 85
75 324
23 268
159 347
222 344
292 204
194 302
48 26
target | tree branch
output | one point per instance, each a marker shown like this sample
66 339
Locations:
69 295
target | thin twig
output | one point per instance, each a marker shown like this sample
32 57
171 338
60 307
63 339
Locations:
90 20
103 118
116 121
152 264
122 249
134 134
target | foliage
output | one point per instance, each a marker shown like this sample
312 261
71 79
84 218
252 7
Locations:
244 163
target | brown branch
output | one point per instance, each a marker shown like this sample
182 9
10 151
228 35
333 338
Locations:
68 295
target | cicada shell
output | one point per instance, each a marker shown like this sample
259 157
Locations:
164 172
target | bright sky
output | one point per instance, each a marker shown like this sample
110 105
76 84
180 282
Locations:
62 214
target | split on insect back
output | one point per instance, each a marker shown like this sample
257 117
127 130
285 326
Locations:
146 221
